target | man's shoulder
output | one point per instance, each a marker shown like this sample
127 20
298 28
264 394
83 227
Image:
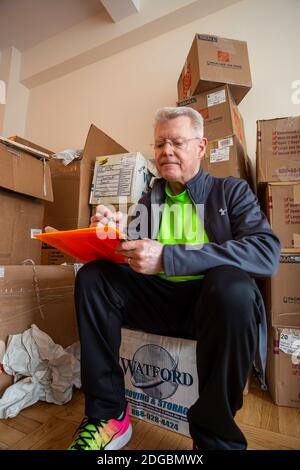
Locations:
230 191
229 183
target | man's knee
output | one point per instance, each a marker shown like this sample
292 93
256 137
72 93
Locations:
232 293
229 284
89 273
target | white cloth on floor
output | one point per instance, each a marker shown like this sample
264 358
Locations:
42 370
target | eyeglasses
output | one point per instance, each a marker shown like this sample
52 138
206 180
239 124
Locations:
178 144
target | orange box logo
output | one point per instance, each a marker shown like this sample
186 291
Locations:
204 113
238 125
187 81
223 56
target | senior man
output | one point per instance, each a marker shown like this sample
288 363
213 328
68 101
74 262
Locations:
189 273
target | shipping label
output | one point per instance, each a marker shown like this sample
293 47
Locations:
216 98
219 155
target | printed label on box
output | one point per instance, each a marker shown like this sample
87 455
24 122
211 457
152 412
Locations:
2 271
207 37
225 143
114 179
219 155
289 342
216 98
34 231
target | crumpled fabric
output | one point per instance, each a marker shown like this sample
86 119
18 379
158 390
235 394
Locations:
69 155
42 370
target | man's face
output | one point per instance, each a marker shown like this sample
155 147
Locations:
178 163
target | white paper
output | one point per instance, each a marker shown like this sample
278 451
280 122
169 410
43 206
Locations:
35 231
289 342
217 97
225 142
219 155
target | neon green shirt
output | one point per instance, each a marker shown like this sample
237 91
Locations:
180 224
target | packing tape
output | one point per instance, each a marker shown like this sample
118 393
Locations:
45 185
36 285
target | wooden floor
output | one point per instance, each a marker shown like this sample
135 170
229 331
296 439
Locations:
46 426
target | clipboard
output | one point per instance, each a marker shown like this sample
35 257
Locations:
87 244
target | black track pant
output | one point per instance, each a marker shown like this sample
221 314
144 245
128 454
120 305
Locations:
221 312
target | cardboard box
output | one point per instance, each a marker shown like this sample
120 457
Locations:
220 113
161 380
25 182
24 170
50 256
42 295
283 211
282 291
119 177
213 61
71 188
20 217
283 366
225 157
278 149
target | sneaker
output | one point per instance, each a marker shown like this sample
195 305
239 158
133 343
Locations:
100 434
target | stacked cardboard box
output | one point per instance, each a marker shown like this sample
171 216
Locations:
117 178
278 179
25 183
71 188
119 182
161 380
38 294
283 307
29 293
41 295
33 293
215 78
278 150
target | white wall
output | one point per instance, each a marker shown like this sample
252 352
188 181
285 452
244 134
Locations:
13 113
121 93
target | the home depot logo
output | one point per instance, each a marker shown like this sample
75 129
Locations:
187 80
2 92
155 371
204 113
223 56
238 125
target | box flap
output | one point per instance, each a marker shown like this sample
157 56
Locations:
97 144
24 148
23 172
27 143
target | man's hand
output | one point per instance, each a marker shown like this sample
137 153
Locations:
105 216
143 256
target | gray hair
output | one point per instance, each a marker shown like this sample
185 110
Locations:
165 114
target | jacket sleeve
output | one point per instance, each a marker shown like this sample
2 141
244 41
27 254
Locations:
253 247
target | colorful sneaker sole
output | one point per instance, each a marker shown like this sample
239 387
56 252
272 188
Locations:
121 441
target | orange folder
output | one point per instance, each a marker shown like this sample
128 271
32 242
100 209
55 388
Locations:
87 244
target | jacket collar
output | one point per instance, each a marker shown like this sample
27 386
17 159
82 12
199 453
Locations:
198 188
